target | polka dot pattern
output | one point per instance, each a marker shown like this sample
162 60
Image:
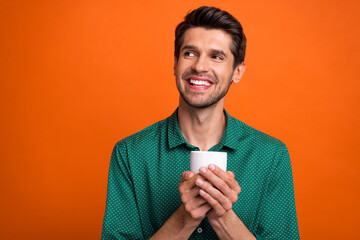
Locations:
146 167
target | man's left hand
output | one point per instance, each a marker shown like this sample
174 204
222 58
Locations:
220 190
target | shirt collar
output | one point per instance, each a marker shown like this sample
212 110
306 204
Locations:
230 138
175 138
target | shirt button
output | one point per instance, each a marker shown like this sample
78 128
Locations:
199 230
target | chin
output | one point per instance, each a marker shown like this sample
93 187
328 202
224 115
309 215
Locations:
199 105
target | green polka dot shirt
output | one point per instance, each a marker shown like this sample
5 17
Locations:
146 167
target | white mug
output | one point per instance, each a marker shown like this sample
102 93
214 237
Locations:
200 159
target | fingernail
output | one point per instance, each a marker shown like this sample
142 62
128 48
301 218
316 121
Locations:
211 167
202 169
188 174
199 182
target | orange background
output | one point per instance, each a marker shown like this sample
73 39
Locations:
77 76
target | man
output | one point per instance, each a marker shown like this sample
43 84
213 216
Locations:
150 192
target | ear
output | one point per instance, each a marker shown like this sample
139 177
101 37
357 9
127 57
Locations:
238 72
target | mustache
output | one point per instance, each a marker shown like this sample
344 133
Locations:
187 74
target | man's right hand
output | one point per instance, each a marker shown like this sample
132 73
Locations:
195 205
189 215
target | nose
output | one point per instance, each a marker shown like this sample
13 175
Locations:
201 64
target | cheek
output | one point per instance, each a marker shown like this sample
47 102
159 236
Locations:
176 69
223 71
182 67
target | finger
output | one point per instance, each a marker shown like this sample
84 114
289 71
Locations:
216 195
189 175
188 188
216 206
236 186
228 177
191 179
186 175
201 211
216 180
187 196
231 174
194 203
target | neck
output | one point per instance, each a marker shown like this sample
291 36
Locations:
202 128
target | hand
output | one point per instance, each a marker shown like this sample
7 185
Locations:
220 190
195 205
188 216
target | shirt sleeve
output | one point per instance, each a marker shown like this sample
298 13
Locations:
277 216
121 220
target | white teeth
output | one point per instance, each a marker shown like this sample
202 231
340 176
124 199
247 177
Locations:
200 82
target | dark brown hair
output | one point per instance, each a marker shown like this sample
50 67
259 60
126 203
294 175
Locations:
213 18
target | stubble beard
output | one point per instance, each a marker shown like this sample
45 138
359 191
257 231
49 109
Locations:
210 101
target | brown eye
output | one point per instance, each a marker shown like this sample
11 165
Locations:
189 54
217 57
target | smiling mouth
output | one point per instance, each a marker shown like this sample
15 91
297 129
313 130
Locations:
199 83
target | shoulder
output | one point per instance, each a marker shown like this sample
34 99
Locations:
144 136
256 138
265 151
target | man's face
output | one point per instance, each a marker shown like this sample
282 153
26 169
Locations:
204 70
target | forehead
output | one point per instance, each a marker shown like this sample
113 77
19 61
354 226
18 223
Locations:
208 39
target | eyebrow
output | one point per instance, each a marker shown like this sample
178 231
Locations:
220 52
189 47
214 51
